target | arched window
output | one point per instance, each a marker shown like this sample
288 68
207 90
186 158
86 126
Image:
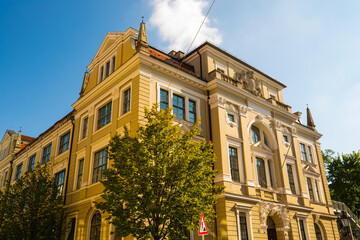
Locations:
318 232
95 226
255 132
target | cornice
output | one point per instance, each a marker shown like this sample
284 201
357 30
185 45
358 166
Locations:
307 131
172 71
217 83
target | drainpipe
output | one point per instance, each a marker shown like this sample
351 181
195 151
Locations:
72 118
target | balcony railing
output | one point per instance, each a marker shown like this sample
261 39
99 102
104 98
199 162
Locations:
215 74
339 207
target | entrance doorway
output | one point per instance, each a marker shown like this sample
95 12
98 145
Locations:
271 230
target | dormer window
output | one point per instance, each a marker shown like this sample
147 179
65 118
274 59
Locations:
106 69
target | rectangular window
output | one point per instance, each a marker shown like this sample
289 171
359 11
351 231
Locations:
107 70
101 74
243 226
285 138
303 152
310 155
317 190
261 172
4 179
31 165
85 128
291 178
231 118
234 164
311 191
126 103
80 174
46 154
64 142
100 164
302 229
18 171
164 99
59 179
113 64
104 116
179 106
270 174
192 111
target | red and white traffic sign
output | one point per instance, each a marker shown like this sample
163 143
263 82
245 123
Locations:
202 227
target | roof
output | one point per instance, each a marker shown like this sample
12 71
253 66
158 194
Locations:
27 138
236 59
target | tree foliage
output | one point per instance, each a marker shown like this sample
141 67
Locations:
343 174
31 208
160 180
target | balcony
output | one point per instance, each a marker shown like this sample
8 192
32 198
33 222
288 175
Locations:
215 74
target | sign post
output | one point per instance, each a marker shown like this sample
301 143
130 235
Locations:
202 227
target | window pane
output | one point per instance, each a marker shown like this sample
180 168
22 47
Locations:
291 178
179 106
311 192
285 138
95 226
270 174
64 142
59 178
107 72
255 134
101 74
100 164
192 111
80 174
310 155
231 118
243 226
4 179
164 99
113 64
234 164
261 172
85 127
317 232
31 165
302 229
126 104
104 116
303 152
18 171
46 154
317 190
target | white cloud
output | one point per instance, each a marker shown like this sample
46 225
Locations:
177 22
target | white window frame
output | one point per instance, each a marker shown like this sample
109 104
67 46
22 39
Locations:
95 147
121 100
69 217
237 144
317 198
99 105
186 96
273 93
79 156
103 64
267 158
82 118
304 217
247 210
295 175
307 148
28 161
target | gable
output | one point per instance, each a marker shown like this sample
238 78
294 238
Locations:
7 135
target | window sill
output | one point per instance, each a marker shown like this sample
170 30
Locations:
103 127
61 153
124 114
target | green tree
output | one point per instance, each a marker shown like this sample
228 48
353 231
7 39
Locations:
343 174
160 180
31 208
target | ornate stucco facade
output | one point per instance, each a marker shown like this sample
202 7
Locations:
270 163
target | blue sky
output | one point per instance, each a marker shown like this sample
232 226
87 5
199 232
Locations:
313 47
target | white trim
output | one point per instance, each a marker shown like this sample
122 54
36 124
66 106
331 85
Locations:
89 222
95 147
295 176
99 105
61 134
304 217
103 63
82 118
79 156
122 90
247 210
238 146
42 147
15 168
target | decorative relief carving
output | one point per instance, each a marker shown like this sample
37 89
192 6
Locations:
217 101
243 110
267 209
116 93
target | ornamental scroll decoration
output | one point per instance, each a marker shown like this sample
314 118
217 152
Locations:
267 209
249 82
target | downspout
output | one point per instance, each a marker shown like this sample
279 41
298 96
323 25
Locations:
72 118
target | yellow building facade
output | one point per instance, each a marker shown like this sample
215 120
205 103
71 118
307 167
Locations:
270 163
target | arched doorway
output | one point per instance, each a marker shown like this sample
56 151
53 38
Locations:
271 229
